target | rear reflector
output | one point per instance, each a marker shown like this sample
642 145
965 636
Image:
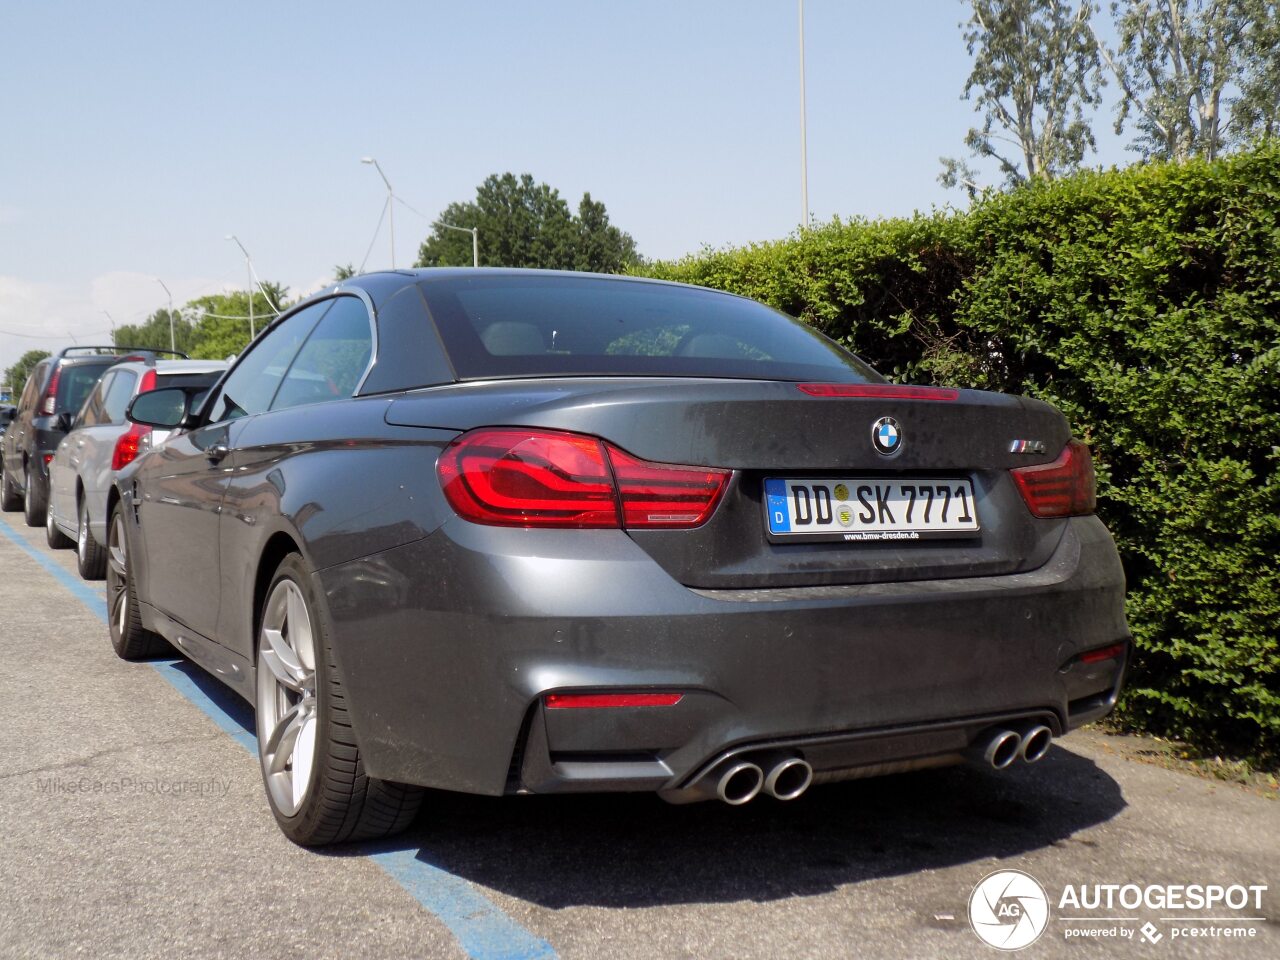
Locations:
570 701
544 478
1103 653
1065 488
878 391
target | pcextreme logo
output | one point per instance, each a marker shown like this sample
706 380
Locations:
1010 910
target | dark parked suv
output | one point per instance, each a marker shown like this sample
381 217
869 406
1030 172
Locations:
54 392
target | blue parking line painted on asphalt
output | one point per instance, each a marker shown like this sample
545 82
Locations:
90 597
482 929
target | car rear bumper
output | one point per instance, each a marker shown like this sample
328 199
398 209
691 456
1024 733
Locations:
448 647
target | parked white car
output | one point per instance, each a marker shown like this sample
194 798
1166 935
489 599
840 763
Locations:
100 443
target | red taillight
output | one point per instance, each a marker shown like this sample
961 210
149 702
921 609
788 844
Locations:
1065 488
148 382
543 478
127 446
664 495
567 701
1103 653
49 402
878 391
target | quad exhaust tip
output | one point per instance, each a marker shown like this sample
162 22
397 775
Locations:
996 748
740 783
999 747
1036 741
788 779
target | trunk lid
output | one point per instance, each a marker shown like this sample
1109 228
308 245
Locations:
771 429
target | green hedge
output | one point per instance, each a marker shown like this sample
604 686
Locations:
1144 303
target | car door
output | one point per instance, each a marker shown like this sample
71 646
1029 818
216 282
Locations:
327 369
182 483
92 442
66 465
15 438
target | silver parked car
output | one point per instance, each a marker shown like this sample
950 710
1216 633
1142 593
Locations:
101 442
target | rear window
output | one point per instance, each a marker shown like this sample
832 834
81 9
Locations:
551 325
77 381
201 380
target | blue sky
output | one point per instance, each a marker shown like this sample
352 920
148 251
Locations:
138 135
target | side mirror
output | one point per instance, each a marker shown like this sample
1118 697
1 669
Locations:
166 408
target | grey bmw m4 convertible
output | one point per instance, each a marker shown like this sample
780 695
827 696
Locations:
502 531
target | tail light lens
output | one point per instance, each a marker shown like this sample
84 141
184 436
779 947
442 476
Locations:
542 478
49 402
1065 488
128 445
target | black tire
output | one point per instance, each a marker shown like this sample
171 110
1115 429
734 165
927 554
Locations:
91 556
10 498
35 502
124 620
341 802
53 534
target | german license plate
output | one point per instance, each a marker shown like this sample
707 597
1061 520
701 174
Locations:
869 508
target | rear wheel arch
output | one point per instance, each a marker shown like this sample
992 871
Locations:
279 545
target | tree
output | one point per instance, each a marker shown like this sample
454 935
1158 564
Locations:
526 224
343 272
1174 65
1257 111
15 378
223 325
154 332
1035 69
601 247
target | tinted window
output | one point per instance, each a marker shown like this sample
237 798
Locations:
119 393
33 386
334 358
77 381
546 326
250 386
94 412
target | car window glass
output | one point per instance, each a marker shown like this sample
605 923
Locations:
77 382
94 412
249 388
495 326
118 395
29 391
334 358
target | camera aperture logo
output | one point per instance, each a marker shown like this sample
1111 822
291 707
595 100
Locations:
1009 909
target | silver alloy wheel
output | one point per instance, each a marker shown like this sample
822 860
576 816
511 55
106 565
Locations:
118 562
82 535
287 697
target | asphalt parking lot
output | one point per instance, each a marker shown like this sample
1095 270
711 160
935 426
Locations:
132 823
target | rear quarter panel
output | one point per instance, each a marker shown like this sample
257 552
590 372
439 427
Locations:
337 480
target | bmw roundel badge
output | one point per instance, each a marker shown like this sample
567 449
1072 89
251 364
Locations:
886 437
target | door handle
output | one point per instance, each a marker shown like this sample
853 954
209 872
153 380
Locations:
215 453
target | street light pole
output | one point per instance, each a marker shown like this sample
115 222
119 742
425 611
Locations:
475 238
391 206
804 147
173 346
249 265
